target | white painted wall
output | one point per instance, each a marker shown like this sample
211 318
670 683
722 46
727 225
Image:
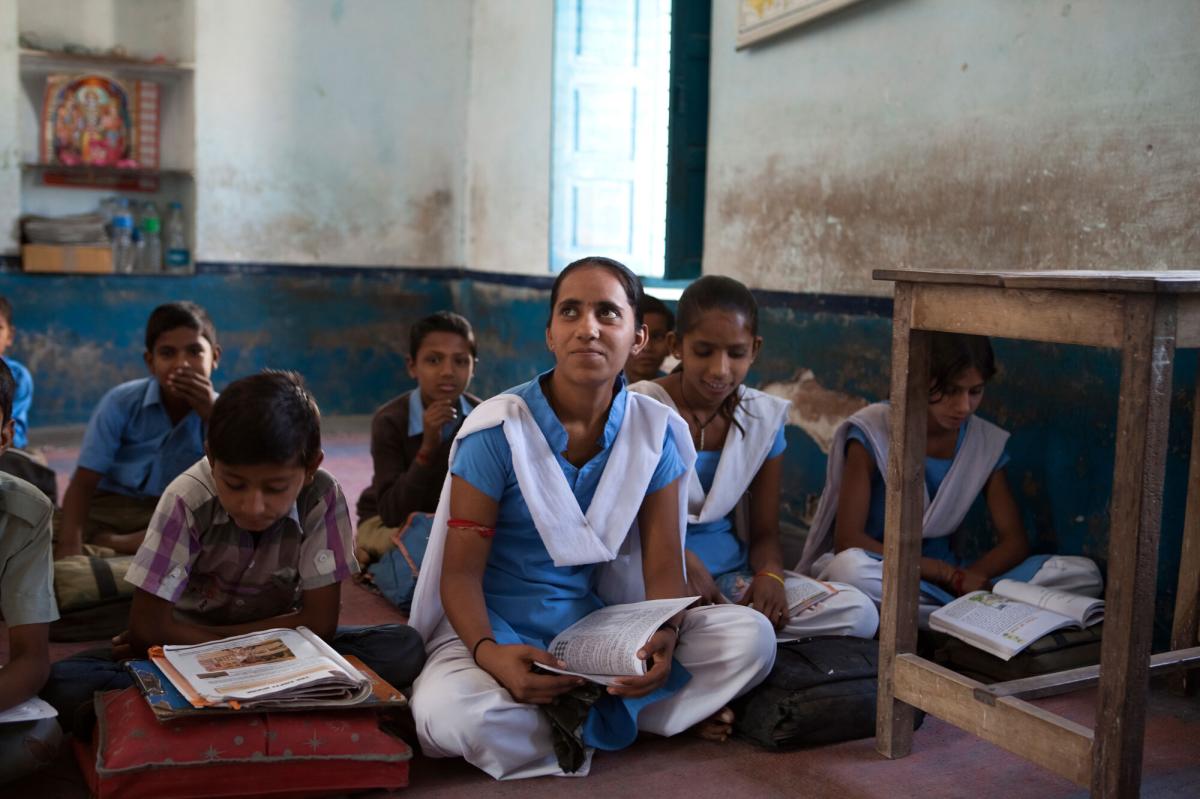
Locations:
10 143
367 132
332 132
910 133
508 138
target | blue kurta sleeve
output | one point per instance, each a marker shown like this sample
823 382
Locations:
1003 460
484 460
670 465
779 444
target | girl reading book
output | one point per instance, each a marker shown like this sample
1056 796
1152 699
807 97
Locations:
739 440
965 457
564 495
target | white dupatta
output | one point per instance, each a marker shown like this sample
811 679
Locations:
743 454
982 445
606 534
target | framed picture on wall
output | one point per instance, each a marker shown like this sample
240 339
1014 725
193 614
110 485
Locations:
761 19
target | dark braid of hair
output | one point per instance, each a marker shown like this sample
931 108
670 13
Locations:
716 292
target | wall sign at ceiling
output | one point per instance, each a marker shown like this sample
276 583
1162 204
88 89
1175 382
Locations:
761 19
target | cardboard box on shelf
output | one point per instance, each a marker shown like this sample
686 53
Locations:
67 258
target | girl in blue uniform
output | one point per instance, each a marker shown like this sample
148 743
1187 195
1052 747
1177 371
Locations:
563 496
965 458
739 437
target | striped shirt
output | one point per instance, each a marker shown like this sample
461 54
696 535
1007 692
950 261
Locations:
216 573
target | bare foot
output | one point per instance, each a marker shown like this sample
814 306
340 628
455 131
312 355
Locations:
362 556
716 727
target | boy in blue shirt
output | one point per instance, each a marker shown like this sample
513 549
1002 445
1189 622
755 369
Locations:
23 395
142 435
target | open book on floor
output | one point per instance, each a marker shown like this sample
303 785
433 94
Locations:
603 645
1013 615
279 669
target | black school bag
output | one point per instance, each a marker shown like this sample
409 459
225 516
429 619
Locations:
820 691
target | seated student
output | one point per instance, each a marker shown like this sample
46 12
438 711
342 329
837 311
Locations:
27 604
253 536
965 457
533 532
142 435
23 395
738 433
659 321
411 434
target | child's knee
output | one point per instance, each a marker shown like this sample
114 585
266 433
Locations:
745 634
862 614
853 567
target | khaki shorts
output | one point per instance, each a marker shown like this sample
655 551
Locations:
113 513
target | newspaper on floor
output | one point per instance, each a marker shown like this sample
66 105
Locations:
603 645
272 668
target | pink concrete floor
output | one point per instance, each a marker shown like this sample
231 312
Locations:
945 762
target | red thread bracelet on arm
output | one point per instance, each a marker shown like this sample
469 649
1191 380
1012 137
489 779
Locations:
467 524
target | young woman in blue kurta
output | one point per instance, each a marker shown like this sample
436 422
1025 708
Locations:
503 595
716 341
501 598
960 367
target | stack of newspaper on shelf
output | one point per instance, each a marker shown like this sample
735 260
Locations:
272 669
77 229
1013 615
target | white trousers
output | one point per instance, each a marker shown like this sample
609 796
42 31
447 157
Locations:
461 711
1071 573
848 612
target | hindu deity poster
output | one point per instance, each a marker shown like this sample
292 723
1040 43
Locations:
95 120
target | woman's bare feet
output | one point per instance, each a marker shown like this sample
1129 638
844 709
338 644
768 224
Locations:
716 727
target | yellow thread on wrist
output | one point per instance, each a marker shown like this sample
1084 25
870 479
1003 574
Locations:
772 574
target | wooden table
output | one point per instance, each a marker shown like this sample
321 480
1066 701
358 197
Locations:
1145 315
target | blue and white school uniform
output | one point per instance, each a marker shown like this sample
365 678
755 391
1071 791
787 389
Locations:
719 482
951 488
566 543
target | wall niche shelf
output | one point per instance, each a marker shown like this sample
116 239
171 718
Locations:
167 171
46 62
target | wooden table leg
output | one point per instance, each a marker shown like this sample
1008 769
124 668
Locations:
1186 626
1142 418
903 520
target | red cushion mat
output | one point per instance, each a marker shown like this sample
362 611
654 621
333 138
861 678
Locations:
257 754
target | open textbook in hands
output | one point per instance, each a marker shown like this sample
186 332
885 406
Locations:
804 592
603 645
277 668
1013 615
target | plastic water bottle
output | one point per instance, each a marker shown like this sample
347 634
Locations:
123 250
151 251
179 258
